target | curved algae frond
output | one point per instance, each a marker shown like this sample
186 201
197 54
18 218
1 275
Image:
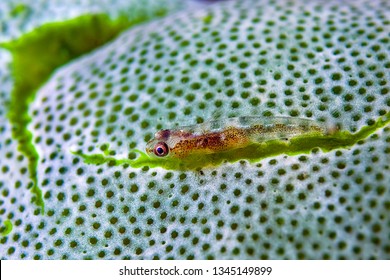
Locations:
6 228
35 56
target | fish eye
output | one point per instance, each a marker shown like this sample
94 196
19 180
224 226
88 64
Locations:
161 149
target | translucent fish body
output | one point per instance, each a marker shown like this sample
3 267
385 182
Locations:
228 134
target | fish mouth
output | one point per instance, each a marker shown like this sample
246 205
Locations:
149 152
150 148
